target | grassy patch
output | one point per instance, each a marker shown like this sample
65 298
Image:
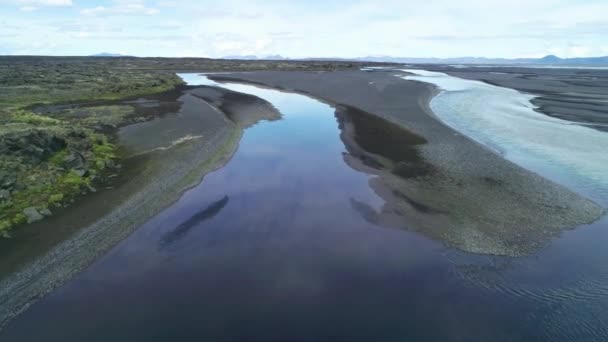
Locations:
48 186
25 83
58 157
22 116
103 154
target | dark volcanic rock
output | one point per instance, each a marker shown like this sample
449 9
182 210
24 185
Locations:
78 140
7 179
74 160
35 145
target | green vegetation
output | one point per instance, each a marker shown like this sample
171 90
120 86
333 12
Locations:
24 82
100 116
53 142
50 155
21 116
50 179
57 158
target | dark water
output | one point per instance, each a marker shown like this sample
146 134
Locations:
273 248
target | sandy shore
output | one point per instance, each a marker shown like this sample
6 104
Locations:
435 181
168 155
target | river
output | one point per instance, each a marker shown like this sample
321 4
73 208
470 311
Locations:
505 120
272 247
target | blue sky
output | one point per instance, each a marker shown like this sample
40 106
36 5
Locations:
327 28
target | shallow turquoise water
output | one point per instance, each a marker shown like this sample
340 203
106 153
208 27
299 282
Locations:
505 120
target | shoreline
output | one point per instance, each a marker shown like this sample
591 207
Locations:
509 121
489 205
163 176
584 102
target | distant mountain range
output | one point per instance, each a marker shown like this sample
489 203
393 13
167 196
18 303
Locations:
254 57
547 60
108 54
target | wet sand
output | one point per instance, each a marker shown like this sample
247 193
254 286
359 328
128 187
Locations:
441 184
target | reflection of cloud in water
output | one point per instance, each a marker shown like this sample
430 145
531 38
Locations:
180 231
263 150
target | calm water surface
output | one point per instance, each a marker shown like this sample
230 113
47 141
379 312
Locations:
270 248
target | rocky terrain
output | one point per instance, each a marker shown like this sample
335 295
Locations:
46 163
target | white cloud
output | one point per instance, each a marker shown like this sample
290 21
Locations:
33 3
121 7
94 10
325 28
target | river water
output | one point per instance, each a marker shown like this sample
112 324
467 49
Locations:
505 120
271 248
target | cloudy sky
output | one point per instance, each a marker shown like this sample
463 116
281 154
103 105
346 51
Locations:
321 28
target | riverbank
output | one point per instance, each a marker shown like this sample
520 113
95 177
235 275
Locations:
506 121
164 157
577 95
51 155
443 185
290 228
430 179
58 121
